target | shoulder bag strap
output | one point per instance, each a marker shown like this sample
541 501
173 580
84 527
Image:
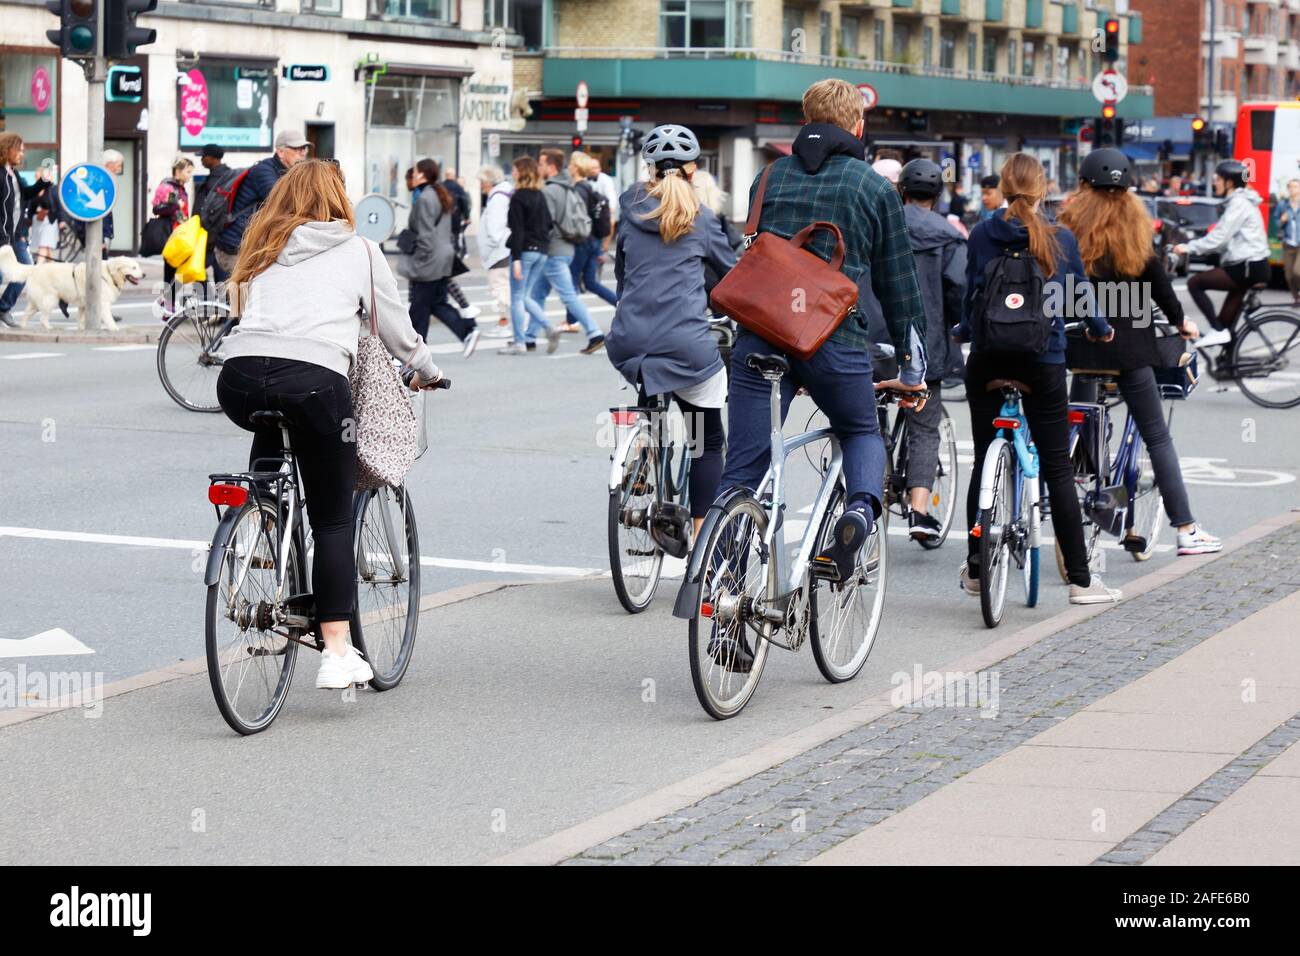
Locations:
756 209
370 259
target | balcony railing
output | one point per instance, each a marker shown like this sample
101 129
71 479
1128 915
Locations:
811 59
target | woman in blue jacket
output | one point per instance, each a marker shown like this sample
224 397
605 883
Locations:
1018 228
660 340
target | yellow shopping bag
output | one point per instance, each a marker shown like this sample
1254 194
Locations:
181 243
194 270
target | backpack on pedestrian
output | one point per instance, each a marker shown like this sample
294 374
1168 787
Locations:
597 209
1008 316
219 201
574 221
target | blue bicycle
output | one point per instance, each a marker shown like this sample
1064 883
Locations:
1009 521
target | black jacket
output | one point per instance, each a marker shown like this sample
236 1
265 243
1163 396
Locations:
529 220
216 173
11 221
262 177
1134 345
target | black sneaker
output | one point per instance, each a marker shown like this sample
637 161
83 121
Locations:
732 653
851 532
923 527
594 345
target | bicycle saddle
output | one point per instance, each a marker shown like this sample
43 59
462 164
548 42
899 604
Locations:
267 418
768 364
1000 383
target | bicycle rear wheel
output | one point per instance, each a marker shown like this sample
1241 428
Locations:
250 665
943 496
995 551
1148 511
844 618
188 365
635 561
387 614
1266 360
727 651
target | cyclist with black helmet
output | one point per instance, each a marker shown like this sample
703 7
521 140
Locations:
1241 240
660 340
940 254
1115 244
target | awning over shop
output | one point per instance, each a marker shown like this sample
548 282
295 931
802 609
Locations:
779 148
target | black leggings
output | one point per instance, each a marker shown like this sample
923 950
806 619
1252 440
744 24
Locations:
1046 407
705 443
317 403
1236 280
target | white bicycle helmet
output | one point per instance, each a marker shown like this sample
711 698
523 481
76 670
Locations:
670 142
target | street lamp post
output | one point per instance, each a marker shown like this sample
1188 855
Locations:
1214 17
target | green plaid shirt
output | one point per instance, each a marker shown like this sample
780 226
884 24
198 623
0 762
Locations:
869 212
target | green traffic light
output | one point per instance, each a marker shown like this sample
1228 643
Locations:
82 38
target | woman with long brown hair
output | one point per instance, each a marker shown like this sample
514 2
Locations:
304 277
1020 233
1114 234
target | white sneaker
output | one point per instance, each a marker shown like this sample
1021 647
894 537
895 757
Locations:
514 348
1198 541
337 673
469 312
1094 593
471 343
1214 337
501 332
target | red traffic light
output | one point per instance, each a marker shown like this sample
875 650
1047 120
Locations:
1112 26
577 141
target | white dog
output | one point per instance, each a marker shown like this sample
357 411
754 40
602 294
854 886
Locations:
48 283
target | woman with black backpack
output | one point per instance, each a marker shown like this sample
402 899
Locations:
1013 317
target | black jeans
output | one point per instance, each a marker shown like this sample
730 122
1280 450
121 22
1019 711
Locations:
431 297
317 403
1235 280
1046 407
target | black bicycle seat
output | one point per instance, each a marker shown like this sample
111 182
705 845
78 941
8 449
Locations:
1000 383
768 364
267 418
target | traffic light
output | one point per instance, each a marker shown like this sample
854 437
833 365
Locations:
1222 142
1200 134
577 141
1111 50
78 35
121 35
1110 128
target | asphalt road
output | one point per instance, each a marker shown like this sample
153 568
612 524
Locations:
533 691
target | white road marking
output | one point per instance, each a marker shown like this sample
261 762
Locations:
125 348
20 356
55 642
504 567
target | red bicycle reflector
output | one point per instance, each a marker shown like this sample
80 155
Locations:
975 531
1158 225
624 418
1077 417
706 609
233 495
1006 423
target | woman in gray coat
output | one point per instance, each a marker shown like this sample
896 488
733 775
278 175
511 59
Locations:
660 339
429 267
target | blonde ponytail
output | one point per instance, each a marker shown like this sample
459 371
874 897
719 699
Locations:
678 202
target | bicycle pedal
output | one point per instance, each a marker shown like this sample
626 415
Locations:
1134 544
824 569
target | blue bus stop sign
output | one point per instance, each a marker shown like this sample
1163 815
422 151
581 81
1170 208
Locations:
87 192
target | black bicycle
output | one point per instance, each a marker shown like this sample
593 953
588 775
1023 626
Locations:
189 353
259 606
1263 356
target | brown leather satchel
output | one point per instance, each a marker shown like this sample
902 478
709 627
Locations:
784 293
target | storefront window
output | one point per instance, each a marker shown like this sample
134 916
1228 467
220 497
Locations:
228 104
409 118
29 92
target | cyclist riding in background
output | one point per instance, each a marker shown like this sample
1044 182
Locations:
1115 239
940 254
999 298
306 275
1241 240
826 178
660 340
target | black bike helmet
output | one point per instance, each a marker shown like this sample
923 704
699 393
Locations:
670 142
1106 169
1232 171
921 179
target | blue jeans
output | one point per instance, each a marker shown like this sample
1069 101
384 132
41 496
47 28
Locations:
525 314
586 270
839 380
557 275
14 289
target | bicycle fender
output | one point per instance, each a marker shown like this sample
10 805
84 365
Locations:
616 463
688 595
986 478
217 552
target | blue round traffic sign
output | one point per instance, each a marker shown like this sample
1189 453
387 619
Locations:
87 192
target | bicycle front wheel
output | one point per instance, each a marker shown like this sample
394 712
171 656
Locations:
250 662
727 649
1148 511
1030 555
188 365
635 561
1266 360
387 614
995 549
844 618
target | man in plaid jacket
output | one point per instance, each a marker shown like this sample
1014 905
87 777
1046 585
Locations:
826 178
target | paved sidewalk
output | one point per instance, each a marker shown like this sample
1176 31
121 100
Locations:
1124 738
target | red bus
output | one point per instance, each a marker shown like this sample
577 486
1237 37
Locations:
1268 140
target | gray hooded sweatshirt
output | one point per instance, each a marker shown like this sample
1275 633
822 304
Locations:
660 333
307 305
940 254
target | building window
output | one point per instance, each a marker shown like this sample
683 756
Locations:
332 8
849 35
1027 59
927 47
902 42
230 104
523 17
972 50
1011 58
744 24
824 31
878 40
792 25
29 90
947 49
990 54
437 11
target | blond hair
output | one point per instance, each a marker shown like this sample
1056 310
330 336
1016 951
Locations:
311 191
833 101
1024 185
580 162
706 187
678 203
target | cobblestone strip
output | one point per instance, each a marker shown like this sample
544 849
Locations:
803 807
1185 811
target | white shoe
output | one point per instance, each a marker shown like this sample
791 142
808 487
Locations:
1214 337
502 332
1198 541
471 343
469 312
1094 593
514 348
338 673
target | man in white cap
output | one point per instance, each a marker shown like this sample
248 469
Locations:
290 147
